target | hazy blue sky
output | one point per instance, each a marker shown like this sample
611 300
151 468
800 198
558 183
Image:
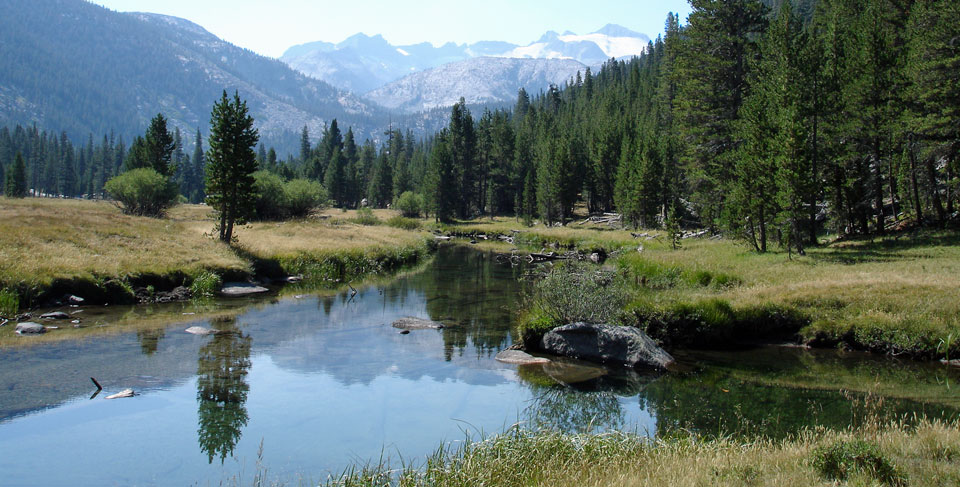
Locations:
269 27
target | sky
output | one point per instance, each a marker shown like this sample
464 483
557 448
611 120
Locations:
270 27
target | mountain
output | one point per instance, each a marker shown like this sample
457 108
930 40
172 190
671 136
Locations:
69 65
480 81
363 63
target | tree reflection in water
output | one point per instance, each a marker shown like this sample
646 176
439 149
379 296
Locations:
222 367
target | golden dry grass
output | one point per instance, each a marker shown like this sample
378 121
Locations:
42 240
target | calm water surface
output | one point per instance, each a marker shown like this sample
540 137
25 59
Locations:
325 382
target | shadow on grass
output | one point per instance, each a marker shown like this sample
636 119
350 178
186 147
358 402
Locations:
882 249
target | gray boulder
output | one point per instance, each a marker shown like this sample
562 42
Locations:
30 328
416 324
241 289
606 344
520 358
56 315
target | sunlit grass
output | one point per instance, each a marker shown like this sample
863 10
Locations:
926 455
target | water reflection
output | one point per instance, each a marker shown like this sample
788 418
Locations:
150 340
222 367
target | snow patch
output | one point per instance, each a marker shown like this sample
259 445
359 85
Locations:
401 51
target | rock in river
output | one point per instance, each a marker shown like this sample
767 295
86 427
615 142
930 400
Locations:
56 315
199 330
416 324
241 289
607 344
30 328
520 358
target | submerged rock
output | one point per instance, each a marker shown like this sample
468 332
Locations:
566 372
416 324
30 328
199 330
520 358
242 289
55 315
606 344
122 394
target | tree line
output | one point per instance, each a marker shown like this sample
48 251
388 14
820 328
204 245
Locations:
763 123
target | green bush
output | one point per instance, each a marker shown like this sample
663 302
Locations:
841 459
271 197
143 192
410 204
205 285
365 216
404 223
303 196
9 303
572 293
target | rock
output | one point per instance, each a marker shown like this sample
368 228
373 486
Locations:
292 279
416 324
520 358
242 289
405 332
199 330
122 394
595 258
56 315
71 299
607 344
30 328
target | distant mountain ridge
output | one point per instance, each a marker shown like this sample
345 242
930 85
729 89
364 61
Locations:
480 81
70 65
365 63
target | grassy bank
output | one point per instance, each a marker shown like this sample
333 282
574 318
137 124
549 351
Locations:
894 294
896 455
52 247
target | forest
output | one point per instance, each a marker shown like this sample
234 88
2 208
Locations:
771 124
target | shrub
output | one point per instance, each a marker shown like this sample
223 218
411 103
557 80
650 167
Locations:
573 292
271 197
205 285
404 223
410 204
143 192
303 196
365 216
9 303
839 460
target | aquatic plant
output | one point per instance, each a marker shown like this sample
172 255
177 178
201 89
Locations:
205 285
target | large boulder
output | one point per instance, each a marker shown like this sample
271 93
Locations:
55 315
606 344
30 328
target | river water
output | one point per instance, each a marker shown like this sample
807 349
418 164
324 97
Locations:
307 385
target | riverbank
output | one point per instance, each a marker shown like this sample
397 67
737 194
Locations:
50 248
893 295
894 455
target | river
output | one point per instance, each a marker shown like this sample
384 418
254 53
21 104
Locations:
307 385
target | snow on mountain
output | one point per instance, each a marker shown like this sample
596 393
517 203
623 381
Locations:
484 80
363 63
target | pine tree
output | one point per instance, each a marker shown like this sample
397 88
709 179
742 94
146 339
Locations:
16 183
231 162
158 146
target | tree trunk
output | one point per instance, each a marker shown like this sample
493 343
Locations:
878 189
934 189
913 182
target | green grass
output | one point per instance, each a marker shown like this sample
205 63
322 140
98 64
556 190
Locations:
926 455
9 303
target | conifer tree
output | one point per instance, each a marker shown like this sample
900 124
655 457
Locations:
231 162
16 183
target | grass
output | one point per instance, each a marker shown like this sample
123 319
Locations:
894 294
925 455
51 247
44 241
